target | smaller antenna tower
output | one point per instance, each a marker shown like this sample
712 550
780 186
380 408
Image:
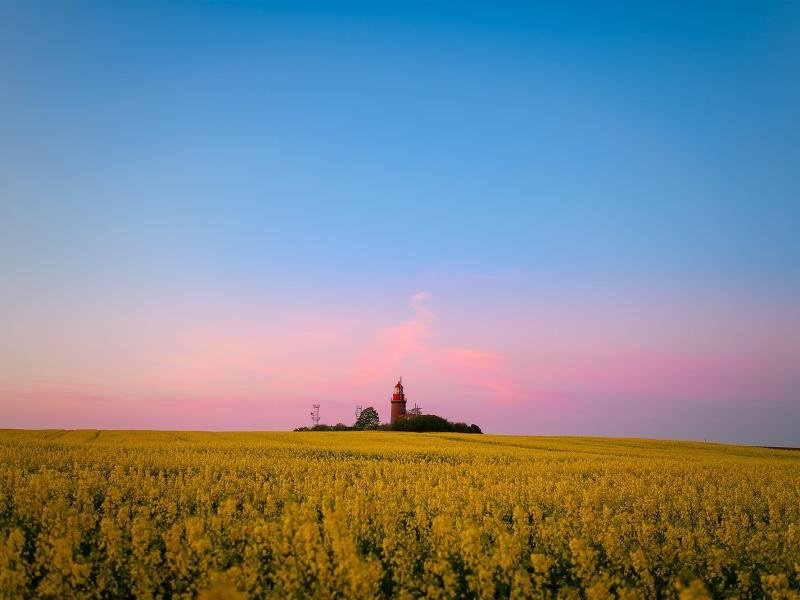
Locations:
359 408
315 415
417 410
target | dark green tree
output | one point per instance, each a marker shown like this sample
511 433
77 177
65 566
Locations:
368 419
428 423
423 423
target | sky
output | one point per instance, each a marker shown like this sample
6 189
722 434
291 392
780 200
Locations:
549 219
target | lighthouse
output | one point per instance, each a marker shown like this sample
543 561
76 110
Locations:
398 402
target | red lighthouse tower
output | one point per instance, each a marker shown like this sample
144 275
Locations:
398 402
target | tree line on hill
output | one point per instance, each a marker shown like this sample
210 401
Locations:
369 420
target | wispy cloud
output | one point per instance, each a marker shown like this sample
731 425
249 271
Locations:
414 345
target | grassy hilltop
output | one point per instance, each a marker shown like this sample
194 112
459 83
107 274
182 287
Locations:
359 515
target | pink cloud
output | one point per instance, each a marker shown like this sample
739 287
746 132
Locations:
651 374
413 345
61 407
469 358
559 364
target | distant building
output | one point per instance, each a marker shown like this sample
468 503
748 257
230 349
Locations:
398 402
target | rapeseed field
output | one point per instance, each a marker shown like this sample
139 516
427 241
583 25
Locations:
116 514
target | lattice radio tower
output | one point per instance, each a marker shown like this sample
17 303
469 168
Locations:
359 408
315 415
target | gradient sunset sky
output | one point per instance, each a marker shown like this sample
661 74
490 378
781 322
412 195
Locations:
559 219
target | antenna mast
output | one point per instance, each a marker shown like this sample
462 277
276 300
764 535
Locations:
315 415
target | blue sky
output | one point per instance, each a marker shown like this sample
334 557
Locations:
257 159
664 133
